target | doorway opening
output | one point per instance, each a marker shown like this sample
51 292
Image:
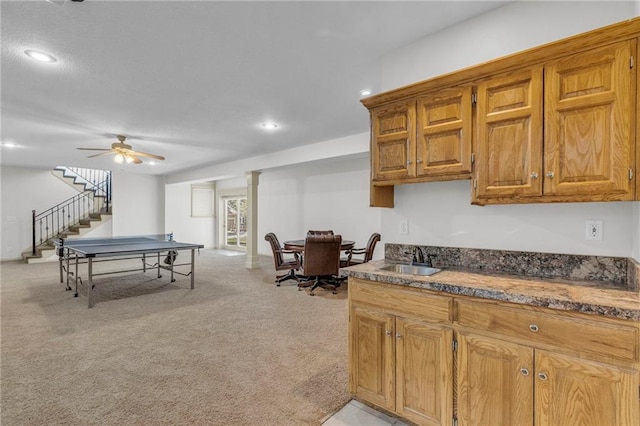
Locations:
235 223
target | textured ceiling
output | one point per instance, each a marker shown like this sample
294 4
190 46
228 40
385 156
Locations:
193 80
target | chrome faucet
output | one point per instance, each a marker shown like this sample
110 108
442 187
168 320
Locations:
418 257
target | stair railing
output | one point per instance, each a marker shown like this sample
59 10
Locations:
52 222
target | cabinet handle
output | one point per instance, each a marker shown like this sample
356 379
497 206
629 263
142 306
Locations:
388 332
543 376
524 371
534 175
398 336
534 328
550 175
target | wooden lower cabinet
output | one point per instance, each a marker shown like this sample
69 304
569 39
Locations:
402 365
495 382
435 359
573 392
500 384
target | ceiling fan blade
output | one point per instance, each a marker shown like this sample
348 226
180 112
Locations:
93 149
144 154
102 153
136 160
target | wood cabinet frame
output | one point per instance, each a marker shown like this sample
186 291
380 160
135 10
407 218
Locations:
507 363
382 192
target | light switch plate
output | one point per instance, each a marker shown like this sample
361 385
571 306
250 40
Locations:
404 227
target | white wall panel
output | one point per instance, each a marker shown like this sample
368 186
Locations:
24 190
320 195
179 221
138 204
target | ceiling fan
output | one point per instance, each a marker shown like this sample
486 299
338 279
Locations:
123 152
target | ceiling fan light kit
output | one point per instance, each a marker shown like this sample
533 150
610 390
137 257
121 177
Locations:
124 152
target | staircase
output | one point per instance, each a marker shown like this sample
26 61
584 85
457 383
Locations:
74 217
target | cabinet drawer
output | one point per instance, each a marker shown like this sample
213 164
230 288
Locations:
602 337
399 301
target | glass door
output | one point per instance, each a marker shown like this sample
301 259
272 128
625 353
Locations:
235 223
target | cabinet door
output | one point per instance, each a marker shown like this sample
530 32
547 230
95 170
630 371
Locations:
495 382
393 142
371 356
509 143
570 391
424 372
444 133
589 111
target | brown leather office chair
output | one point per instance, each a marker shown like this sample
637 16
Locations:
366 252
321 262
282 264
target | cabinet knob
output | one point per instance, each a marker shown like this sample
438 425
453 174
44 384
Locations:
534 328
398 336
408 162
550 175
534 175
524 371
543 376
419 161
388 332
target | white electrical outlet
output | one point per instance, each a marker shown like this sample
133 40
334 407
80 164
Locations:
404 227
594 230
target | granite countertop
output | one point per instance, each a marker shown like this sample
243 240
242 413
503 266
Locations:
579 296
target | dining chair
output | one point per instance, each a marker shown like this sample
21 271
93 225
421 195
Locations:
314 232
321 262
282 264
366 252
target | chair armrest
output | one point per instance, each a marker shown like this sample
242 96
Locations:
357 251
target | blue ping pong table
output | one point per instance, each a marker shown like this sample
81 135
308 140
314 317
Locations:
75 252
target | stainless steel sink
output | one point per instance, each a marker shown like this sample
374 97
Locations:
411 269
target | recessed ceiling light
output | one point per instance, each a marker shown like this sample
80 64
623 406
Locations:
151 163
40 56
365 92
270 125
9 145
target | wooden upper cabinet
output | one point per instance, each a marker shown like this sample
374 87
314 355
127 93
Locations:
509 144
589 115
444 133
393 142
555 123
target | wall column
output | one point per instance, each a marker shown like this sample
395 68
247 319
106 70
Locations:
253 261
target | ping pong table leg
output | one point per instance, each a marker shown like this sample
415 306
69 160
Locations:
193 269
75 277
90 283
60 259
159 276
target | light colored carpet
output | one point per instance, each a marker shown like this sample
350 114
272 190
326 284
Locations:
236 350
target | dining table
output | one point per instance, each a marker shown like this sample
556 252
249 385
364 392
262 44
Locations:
298 245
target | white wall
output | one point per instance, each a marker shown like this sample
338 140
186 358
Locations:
138 204
326 194
24 190
179 221
441 213
517 26
318 195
